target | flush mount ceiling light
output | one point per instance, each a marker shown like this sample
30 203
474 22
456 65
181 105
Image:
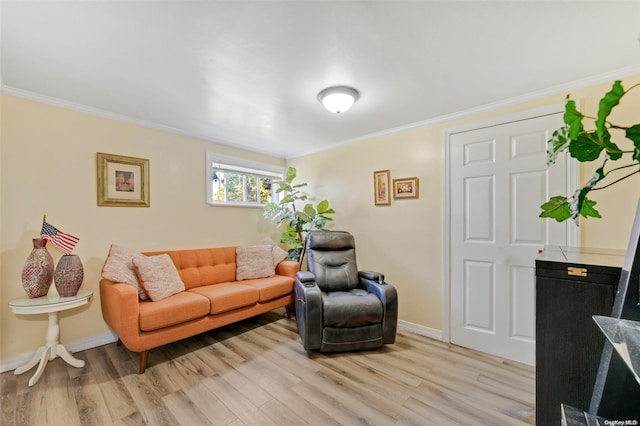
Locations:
338 99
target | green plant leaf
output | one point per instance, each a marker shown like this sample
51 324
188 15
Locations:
585 147
587 209
291 238
298 222
559 142
286 199
611 148
323 206
320 222
290 175
309 210
573 118
614 152
556 208
270 209
588 146
303 217
633 133
577 202
607 103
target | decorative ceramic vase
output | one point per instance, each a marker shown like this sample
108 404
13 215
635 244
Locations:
37 272
69 275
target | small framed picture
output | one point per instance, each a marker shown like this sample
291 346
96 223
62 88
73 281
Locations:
122 181
405 188
381 180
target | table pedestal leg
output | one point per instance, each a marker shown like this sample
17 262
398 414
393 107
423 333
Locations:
51 350
63 353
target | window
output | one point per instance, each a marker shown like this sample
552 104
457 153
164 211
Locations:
238 182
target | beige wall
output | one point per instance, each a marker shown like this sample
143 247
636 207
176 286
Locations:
48 167
47 158
404 240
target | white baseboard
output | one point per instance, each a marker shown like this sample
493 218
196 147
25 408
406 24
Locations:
432 333
77 346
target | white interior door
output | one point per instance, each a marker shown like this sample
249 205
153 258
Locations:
498 180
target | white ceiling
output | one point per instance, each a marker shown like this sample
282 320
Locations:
247 73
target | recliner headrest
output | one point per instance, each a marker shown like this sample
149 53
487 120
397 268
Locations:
330 240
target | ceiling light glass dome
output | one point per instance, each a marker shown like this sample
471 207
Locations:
338 99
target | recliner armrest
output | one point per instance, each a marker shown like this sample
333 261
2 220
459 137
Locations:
305 277
372 275
388 295
308 310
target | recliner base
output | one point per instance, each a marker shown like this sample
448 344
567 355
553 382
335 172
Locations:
336 339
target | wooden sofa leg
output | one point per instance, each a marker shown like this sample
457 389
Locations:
288 311
144 356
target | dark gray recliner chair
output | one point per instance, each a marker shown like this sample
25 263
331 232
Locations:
339 308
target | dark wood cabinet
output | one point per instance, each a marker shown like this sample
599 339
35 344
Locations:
572 285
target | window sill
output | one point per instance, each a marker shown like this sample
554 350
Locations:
223 204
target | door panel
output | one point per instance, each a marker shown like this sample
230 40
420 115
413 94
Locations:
523 325
478 208
498 180
527 228
479 287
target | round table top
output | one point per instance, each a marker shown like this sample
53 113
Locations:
49 303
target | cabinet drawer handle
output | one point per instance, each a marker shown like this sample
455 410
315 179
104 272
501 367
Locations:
578 272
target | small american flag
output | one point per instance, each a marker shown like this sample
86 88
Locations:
64 242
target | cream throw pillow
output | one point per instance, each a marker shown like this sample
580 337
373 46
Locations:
278 254
119 268
254 262
158 276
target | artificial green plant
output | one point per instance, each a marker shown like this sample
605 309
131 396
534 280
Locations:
588 145
297 222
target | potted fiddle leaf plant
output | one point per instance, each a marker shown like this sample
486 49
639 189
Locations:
297 221
621 158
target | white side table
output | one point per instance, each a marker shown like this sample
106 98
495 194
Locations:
53 348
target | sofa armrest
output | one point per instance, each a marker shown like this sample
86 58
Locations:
288 268
121 311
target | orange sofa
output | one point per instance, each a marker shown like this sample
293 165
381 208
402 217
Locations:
212 298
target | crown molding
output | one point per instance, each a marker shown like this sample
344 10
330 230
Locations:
554 90
48 100
528 97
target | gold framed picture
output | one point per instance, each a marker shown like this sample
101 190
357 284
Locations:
405 188
381 180
122 181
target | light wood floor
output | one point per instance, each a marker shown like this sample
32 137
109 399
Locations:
256 373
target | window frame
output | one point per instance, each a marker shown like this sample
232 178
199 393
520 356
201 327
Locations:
244 167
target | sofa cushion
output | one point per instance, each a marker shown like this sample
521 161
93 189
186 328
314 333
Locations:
200 267
119 268
225 297
158 276
175 309
278 253
272 287
254 262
